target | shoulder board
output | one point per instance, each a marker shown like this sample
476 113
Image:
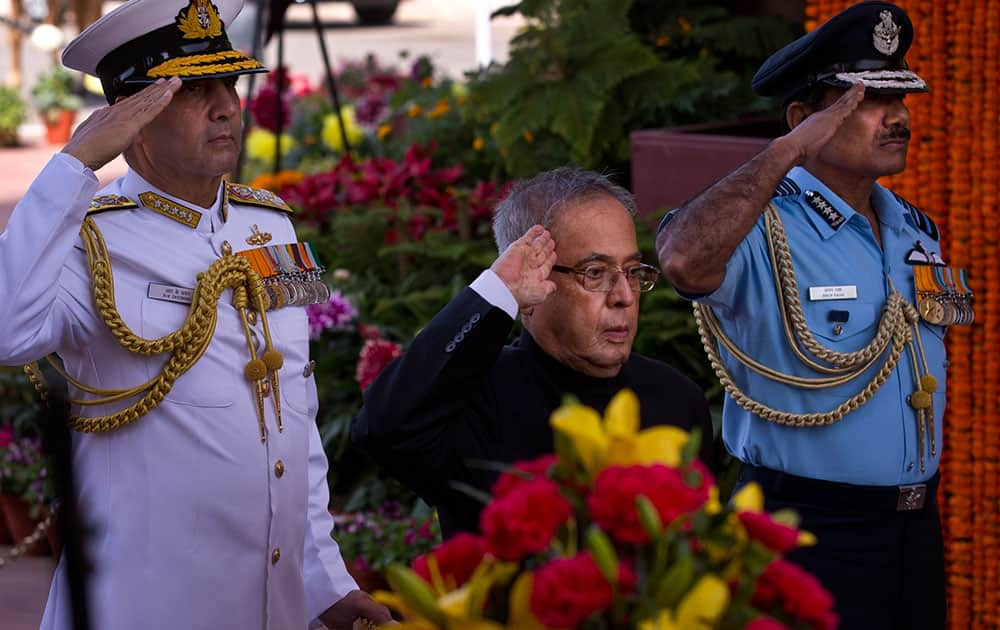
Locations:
238 193
787 188
920 220
104 203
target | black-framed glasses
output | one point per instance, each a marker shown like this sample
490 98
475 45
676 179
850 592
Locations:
601 277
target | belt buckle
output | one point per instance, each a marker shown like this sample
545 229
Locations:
911 497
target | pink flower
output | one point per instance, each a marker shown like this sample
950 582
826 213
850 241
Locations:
375 355
337 312
6 436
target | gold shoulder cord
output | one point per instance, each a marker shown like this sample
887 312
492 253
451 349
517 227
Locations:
897 329
186 345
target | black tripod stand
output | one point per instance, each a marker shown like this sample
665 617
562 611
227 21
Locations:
276 25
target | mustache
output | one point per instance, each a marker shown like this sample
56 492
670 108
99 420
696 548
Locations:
897 133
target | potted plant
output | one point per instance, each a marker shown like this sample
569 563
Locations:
57 104
12 113
25 486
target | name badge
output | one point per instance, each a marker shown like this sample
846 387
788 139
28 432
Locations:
845 292
167 293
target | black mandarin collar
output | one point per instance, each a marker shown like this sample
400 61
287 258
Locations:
569 380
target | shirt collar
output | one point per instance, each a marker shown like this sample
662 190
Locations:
827 212
888 208
135 187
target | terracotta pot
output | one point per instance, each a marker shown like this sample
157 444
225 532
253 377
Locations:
59 127
20 524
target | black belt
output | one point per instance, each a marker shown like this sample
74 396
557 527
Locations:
780 485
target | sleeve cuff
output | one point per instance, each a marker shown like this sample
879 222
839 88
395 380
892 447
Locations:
491 288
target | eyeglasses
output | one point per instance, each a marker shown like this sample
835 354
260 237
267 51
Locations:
602 278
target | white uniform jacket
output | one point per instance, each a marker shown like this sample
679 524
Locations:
192 521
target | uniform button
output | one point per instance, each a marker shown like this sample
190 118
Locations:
308 369
459 337
909 466
466 328
265 388
474 318
275 555
450 347
227 249
279 468
251 317
838 329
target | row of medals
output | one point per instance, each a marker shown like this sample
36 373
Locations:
943 297
298 289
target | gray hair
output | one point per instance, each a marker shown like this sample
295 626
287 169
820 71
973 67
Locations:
538 200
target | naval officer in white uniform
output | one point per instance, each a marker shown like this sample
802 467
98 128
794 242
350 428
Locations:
201 477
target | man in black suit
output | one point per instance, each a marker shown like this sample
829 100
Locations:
571 266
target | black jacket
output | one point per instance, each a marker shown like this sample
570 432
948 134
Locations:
458 395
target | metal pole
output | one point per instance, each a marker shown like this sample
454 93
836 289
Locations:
330 82
279 109
258 37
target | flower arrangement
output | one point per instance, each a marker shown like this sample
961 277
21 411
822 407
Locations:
620 529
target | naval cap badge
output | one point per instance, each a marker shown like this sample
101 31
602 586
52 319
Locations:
885 37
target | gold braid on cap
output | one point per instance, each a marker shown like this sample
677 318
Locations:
208 63
185 345
897 328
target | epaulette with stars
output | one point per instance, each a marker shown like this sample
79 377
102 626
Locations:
239 193
104 203
919 219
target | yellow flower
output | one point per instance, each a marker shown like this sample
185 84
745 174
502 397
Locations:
704 604
425 606
528 136
261 144
459 90
414 110
478 144
700 609
383 131
440 109
331 134
616 440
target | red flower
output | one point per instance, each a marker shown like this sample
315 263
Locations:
612 502
769 532
457 559
569 590
765 623
6 436
797 592
535 469
375 355
524 521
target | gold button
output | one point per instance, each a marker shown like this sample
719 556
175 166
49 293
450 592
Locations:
265 388
308 369
227 249
275 555
279 468
251 317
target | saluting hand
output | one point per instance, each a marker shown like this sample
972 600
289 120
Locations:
810 136
110 130
525 267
